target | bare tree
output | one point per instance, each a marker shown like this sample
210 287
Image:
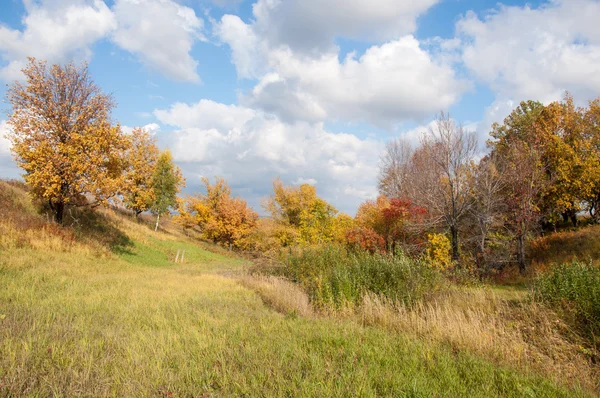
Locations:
440 174
394 168
488 204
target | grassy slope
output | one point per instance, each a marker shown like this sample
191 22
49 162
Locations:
582 244
78 320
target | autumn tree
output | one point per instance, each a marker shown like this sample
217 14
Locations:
592 132
62 136
488 205
523 182
440 175
141 158
394 168
167 181
219 216
396 221
300 209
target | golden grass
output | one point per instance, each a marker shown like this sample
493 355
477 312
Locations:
582 244
281 295
501 325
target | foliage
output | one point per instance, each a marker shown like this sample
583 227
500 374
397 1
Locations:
575 289
141 158
220 217
167 181
62 136
365 239
398 222
307 218
335 277
438 253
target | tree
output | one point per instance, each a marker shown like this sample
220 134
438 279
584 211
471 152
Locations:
488 204
167 181
440 175
523 183
141 159
220 217
62 136
394 168
301 209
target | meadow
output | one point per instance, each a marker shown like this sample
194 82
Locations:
81 317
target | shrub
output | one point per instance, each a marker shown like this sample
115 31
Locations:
438 251
338 278
365 238
574 289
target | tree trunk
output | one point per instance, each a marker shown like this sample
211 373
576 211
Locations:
137 214
454 241
59 211
521 253
157 220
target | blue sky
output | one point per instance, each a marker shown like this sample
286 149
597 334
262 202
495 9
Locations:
307 90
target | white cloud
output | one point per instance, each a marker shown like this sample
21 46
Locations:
8 167
56 31
5 144
161 33
151 128
526 53
312 25
392 82
251 148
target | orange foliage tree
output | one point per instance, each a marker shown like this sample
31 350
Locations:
62 136
220 217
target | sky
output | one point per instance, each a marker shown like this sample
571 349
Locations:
308 91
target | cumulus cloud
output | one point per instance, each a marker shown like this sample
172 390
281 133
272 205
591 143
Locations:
252 148
56 31
535 53
392 82
161 33
312 25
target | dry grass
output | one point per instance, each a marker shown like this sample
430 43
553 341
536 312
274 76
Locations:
582 244
281 295
508 329
501 325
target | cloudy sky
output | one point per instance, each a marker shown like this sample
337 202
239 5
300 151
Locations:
307 90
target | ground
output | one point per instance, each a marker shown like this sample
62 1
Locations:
78 319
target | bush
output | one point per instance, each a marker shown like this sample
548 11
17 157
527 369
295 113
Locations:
574 289
438 253
335 277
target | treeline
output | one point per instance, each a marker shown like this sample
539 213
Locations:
440 201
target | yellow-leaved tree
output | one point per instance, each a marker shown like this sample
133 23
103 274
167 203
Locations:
141 158
219 217
300 210
62 136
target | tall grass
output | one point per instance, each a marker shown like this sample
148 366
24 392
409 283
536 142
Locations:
337 278
573 288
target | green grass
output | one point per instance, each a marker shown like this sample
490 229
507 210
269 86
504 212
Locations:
120 329
117 317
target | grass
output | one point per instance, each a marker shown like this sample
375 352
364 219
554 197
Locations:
573 288
582 244
81 317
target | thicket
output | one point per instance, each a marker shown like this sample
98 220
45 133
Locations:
337 278
574 289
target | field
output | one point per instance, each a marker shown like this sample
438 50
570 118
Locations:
85 317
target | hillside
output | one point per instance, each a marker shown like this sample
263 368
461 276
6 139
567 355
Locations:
100 308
